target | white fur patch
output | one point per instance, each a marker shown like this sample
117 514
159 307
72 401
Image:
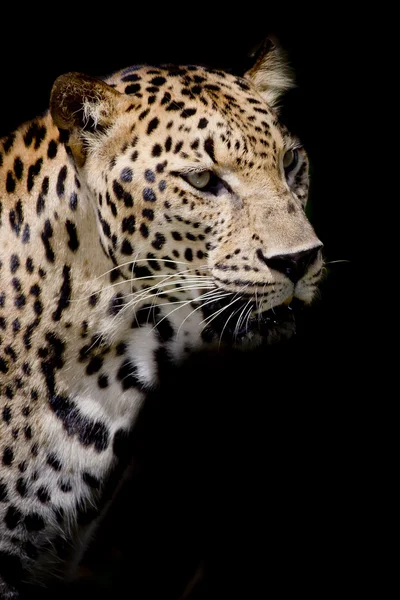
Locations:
141 351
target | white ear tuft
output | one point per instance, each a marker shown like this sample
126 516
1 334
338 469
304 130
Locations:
271 74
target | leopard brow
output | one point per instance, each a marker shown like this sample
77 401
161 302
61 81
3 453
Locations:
293 144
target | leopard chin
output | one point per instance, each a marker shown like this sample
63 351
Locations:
247 325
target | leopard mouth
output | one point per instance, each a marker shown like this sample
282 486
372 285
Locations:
233 319
261 308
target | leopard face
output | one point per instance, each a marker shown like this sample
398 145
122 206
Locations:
199 193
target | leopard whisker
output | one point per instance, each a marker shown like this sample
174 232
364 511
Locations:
333 262
237 327
183 286
147 277
228 319
136 260
248 318
215 314
213 299
185 303
145 296
181 301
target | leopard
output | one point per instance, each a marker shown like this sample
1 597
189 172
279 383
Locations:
144 216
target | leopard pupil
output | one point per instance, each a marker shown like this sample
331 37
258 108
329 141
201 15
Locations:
288 159
199 180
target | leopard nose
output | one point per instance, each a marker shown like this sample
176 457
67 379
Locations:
295 265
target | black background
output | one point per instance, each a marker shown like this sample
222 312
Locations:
254 465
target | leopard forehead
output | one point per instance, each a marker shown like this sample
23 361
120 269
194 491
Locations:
190 102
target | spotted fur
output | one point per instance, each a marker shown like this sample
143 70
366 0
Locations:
111 261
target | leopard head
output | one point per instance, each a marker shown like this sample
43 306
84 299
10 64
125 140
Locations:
199 191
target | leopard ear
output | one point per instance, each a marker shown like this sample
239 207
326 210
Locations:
83 106
270 74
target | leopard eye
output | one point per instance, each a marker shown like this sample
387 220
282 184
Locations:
206 181
199 180
290 160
